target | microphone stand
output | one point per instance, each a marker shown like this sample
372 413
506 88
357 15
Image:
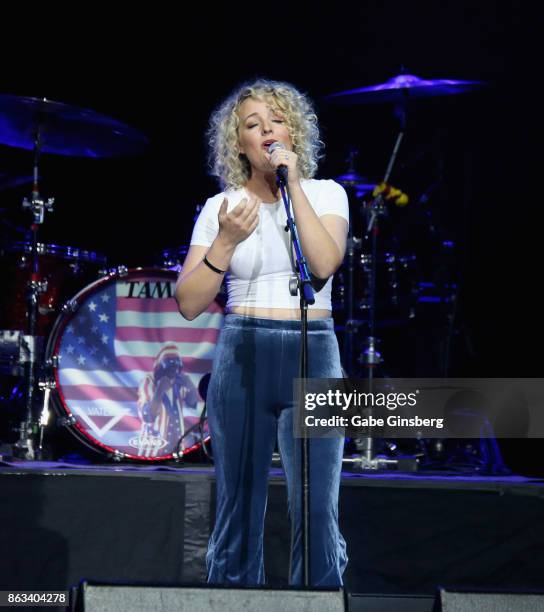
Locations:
303 287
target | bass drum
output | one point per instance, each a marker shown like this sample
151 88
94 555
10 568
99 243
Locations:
129 369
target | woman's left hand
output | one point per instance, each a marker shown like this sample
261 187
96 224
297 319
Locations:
283 157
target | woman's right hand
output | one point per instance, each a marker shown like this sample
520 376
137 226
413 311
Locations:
240 222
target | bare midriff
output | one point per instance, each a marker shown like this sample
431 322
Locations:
279 313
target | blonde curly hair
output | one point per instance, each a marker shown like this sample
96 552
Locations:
232 167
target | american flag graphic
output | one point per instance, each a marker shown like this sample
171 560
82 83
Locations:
110 351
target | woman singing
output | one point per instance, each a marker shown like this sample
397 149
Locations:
241 233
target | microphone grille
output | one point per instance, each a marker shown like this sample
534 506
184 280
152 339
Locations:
276 145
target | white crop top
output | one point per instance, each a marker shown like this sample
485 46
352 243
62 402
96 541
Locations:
260 268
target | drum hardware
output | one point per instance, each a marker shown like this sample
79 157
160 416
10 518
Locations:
37 206
117 456
370 357
203 391
359 185
67 421
399 91
45 126
45 386
113 271
24 447
36 285
174 257
121 271
375 209
18 115
351 180
53 361
353 245
197 427
354 296
406 464
69 306
178 456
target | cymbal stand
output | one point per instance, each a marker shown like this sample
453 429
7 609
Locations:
370 357
37 206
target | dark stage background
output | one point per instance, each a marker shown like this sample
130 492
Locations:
163 73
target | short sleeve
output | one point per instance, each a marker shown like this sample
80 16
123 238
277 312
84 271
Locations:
332 199
207 224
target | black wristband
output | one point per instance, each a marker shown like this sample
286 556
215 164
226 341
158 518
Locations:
212 267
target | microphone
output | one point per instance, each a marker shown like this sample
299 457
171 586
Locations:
282 170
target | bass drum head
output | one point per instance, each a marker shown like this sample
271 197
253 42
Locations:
128 366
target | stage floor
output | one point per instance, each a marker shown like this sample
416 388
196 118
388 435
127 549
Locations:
407 533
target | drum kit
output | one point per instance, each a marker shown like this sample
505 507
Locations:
106 351
380 286
105 348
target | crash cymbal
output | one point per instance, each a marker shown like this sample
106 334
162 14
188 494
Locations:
404 87
65 129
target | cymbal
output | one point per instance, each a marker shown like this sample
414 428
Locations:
404 87
64 129
360 183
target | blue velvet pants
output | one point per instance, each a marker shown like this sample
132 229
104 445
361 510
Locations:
250 406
